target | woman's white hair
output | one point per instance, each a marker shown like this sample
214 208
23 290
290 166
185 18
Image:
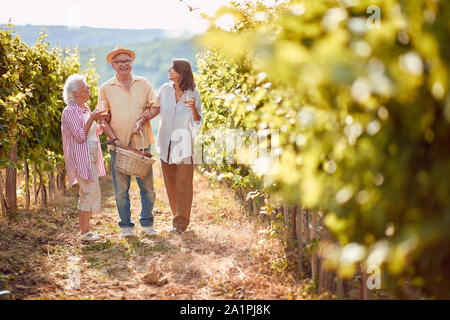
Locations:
70 86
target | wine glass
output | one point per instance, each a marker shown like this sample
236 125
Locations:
189 97
102 108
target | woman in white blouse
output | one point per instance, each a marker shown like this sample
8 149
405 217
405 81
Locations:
181 114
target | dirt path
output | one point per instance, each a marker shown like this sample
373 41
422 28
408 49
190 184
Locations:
223 255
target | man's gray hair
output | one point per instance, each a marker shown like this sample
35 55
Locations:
70 86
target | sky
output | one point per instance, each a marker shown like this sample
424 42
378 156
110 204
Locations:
125 14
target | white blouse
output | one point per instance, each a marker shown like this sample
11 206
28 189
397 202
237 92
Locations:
92 136
177 127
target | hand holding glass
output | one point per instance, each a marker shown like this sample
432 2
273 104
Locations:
98 114
103 109
189 100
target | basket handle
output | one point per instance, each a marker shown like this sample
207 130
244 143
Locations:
142 136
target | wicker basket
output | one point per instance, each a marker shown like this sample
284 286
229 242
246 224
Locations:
131 163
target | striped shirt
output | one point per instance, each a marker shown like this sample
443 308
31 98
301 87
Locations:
75 145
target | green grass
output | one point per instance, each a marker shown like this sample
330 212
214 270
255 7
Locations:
98 246
140 248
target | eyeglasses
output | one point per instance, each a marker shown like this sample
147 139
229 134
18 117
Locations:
122 62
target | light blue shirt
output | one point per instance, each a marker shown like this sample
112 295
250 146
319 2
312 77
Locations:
176 125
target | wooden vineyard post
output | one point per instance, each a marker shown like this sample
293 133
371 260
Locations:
42 189
261 204
328 280
340 287
285 214
307 238
61 180
27 184
323 274
35 184
2 195
11 182
314 253
299 235
363 290
255 207
293 227
51 183
249 203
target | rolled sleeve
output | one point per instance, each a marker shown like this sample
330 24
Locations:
152 98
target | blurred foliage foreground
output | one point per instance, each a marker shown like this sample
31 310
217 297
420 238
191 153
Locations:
359 93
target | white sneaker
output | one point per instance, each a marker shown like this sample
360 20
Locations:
89 236
127 232
149 231
175 231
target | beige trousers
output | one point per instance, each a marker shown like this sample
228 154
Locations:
178 180
90 194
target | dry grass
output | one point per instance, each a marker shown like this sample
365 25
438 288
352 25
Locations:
221 256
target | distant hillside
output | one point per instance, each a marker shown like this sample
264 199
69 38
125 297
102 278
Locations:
86 36
154 48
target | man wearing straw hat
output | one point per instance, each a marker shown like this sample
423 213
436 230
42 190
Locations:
126 96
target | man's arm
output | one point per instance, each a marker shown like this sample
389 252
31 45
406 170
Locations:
148 115
110 133
151 111
102 103
153 103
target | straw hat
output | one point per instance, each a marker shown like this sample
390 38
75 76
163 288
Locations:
119 49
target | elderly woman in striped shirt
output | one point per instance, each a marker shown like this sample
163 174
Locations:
81 145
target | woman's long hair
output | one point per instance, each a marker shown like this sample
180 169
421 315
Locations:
183 68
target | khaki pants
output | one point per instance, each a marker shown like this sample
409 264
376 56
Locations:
90 193
178 181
